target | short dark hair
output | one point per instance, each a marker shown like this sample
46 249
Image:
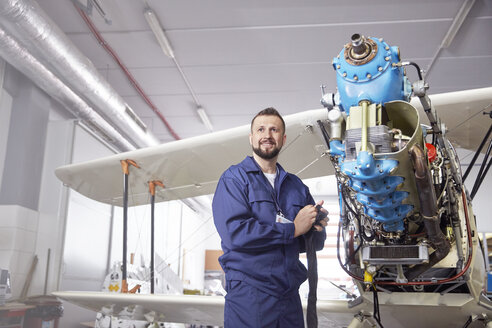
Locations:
268 111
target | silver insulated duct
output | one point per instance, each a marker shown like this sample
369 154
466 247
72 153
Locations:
28 23
23 61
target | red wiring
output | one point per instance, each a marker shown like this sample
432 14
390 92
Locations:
413 283
130 77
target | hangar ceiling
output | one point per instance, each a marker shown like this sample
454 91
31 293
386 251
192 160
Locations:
242 56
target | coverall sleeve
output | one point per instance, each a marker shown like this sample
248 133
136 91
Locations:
319 236
237 227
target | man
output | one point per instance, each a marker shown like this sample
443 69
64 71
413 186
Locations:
261 213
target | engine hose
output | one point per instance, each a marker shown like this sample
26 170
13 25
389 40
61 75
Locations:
417 283
428 204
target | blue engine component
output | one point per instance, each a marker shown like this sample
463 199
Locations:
376 189
368 69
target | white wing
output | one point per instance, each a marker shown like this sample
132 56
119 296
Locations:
192 167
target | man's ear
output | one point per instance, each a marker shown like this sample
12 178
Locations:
285 138
250 139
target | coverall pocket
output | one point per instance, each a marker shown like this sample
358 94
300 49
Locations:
233 284
262 206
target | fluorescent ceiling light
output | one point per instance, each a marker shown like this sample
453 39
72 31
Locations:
204 117
156 27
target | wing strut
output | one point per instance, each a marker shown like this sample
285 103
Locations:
152 185
126 172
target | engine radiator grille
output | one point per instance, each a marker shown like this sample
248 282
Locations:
395 254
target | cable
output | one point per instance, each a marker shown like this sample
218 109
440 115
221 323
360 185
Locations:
125 70
376 313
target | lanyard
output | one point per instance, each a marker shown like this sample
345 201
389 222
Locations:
273 192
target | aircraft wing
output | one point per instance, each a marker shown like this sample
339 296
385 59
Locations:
191 309
397 310
191 167
461 111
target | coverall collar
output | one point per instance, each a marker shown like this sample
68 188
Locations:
250 165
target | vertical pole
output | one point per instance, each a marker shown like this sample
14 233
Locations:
152 205
126 172
152 185
124 285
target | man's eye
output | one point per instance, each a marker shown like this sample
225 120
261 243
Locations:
261 129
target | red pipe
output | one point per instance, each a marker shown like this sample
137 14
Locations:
130 77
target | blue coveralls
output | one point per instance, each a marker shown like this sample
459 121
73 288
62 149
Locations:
261 256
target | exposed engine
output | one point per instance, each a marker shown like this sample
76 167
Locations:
404 218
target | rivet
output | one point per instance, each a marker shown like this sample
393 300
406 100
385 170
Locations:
386 48
338 66
355 77
344 74
367 165
368 75
380 68
380 171
387 58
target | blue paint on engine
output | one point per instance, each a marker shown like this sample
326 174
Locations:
378 80
376 189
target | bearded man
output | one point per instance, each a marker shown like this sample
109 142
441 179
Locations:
261 213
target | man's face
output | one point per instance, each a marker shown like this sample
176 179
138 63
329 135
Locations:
267 136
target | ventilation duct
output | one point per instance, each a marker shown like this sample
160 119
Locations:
27 22
23 61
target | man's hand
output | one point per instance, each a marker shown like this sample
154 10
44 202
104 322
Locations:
305 219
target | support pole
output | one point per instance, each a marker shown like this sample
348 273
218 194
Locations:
126 172
152 185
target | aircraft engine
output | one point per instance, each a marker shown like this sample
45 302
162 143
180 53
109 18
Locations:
400 196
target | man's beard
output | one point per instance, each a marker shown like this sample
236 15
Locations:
266 155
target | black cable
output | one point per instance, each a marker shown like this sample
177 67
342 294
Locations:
419 72
325 134
480 175
468 322
481 179
484 140
376 314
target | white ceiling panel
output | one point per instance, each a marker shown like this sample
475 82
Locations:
242 56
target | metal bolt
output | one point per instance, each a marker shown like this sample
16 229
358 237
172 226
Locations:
338 66
344 74
381 171
355 77
386 48
368 75
380 68
387 58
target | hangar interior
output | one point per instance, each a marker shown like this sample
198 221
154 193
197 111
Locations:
229 60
